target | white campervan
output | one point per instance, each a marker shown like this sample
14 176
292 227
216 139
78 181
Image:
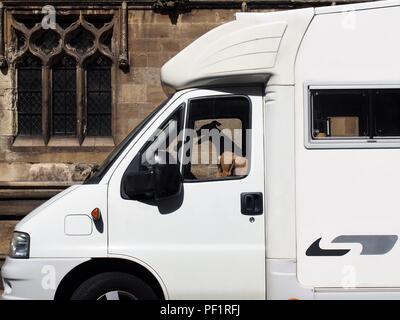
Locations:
304 207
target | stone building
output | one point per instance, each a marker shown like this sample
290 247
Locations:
74 82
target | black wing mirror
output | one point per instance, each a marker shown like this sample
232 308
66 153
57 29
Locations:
160 182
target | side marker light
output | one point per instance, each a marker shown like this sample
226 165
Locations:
96 214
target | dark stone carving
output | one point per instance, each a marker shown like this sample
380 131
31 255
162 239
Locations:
48 41
81 40
123 56
171 5
173 8
3 61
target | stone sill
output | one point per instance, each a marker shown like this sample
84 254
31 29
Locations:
23 190
25 143
191 4
36 184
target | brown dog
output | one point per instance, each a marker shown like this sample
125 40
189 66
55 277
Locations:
231 164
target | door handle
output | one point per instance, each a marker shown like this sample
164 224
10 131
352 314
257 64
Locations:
251 203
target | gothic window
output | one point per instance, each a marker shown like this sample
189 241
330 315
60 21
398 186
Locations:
29 96
47 42
81 40
64 97
99 97
64 75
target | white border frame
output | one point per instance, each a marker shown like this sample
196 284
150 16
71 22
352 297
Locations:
344 143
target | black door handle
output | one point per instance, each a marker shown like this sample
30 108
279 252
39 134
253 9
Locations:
251 203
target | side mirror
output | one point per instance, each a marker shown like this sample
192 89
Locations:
168 181
160 182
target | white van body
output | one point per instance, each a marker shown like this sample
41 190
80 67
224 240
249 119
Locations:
329 226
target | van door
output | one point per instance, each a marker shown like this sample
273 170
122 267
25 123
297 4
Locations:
208 242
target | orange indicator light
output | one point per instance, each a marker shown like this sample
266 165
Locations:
96 215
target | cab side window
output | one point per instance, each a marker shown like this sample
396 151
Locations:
164 145
217 139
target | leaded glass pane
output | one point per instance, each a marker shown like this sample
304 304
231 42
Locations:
99 97
29 96
64 96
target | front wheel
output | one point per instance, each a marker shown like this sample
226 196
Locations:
114 286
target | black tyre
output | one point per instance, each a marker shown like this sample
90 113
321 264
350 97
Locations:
114 286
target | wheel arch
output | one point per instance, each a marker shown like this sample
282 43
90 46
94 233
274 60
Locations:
95 266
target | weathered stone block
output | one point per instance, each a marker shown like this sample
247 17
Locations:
6 122
90 156
127 110
223 16
81 171
5 142
159 59
146 109
139 60
5 80
14 171
125 128
6 229
199 16
50 172
192 31
160 30
155 94
141 16
18 207
132 93
144 45
144 76
170 45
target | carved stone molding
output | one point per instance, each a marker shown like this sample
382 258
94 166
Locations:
81 39
123 56
3 61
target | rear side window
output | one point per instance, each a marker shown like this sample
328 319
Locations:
387 113
354 114
342 113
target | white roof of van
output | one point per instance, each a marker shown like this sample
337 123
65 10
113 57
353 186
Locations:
357 6
251 49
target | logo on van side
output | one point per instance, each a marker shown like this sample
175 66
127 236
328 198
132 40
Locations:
371 245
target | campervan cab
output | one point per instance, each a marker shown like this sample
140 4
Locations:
296 198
